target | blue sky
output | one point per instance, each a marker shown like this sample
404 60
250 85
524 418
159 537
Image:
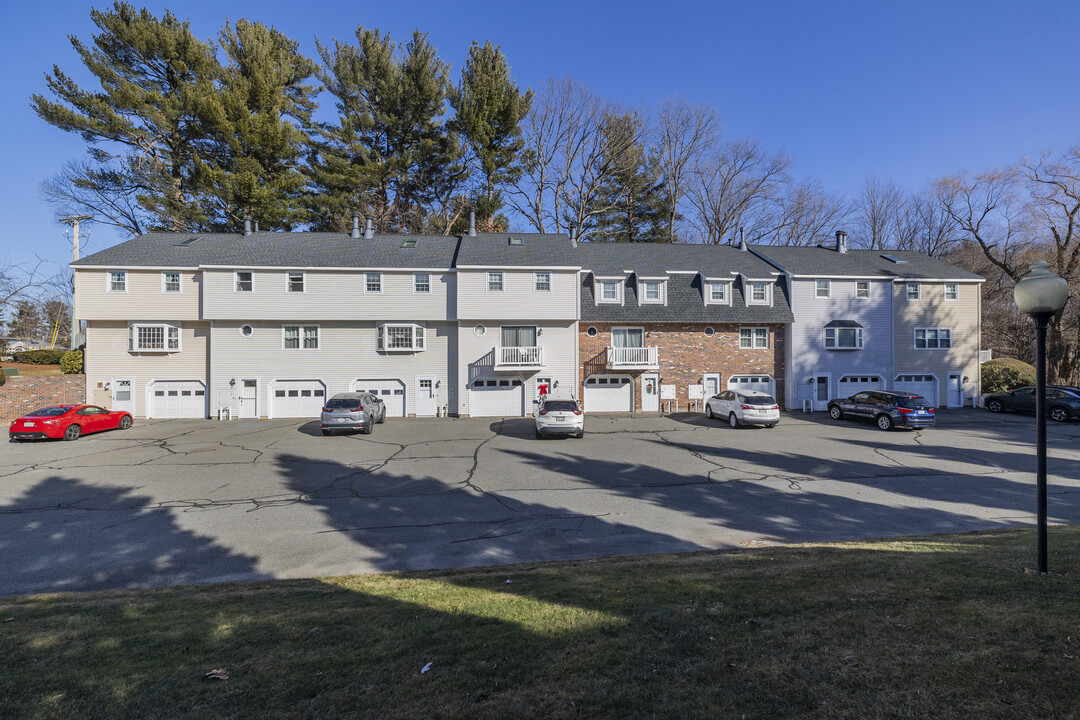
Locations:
907 90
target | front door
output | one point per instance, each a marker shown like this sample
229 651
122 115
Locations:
122 397
650 392
425 396
249 394
821 392
956 391
712 384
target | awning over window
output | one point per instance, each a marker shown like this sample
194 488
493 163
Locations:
843 324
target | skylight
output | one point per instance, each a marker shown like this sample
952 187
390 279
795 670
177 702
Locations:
516 240
408 242
188 241
893 258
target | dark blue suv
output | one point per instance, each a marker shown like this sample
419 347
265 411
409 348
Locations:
887 409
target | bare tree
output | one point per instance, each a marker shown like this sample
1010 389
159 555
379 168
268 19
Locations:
805 214
684 133
108 192
18 282
923 225
734 186
875 212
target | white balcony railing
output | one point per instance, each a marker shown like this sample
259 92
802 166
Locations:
633 357
519 356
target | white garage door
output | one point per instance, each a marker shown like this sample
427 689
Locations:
297 398
761 383
391 392
497 398
609 393
925 385
851 384
177 399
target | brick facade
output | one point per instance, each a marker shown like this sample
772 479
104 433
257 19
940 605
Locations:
19 395
685 354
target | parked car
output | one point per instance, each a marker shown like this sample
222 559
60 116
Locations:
1062 403
68 422
744 407
887 409
559 415
352 411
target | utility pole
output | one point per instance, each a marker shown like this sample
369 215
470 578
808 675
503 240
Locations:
73 221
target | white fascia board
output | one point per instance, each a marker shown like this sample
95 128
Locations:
131 267
683 272
652 277
350 268
610 277
949 280
508 268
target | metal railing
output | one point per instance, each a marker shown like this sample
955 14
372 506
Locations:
633 356
519 356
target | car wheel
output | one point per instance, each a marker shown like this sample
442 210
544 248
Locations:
325 432
370 428
732 420
835 412
770 425
995 406
73 432
884 422
539 435
1059 414
382 416
125 422
581 435
708 411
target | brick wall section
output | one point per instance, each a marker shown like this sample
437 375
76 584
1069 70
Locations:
19 395
685 354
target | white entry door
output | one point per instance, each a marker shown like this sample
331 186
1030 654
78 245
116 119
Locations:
122 397
177 399
391 392
956 391
712 384
297 398
650 392
821 392
425 396
249 398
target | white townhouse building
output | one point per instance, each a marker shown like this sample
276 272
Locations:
878 320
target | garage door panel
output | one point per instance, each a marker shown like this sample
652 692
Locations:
851 384
297 398
390 391
489 397
605 393
761 383
177 399
920 384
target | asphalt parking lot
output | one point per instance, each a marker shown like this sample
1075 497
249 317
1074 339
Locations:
183 501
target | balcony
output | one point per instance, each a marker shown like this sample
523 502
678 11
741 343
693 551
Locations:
518 358
631 358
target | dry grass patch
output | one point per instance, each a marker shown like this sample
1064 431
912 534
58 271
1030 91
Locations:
946 627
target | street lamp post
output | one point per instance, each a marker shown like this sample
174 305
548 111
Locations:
1041 294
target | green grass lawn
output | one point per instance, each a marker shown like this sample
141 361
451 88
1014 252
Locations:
940 627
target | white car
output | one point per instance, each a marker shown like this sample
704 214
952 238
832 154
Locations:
559 415
744 407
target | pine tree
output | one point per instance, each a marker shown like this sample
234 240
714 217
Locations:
157 80
27 323
632 199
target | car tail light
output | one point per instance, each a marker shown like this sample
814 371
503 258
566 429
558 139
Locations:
775 407
543 412
930 410
358 408
325 409
577 412
747 407
904 410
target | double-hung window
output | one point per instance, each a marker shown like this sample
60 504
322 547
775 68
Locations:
243 281
118 281
862 289
421 282
754 338
933 338
759 293
295 282
495 282
651 291
401 337
717 292
153 337
821 288
914 291
542 282
373 282
170 281
297 337
609 291
843 338
952 291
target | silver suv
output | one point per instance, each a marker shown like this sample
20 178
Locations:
352 411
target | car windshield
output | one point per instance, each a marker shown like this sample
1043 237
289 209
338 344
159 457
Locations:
342 403
912 402
48 412
560 406
759 400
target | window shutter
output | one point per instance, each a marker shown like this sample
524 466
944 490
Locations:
379 345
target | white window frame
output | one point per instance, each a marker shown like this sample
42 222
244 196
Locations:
165 282
496 277
754 337
938 339
417 334
818 288
598 291
955 287
537 282
917 287
289 279
373 278
171 337
417 284
867 284
300 339
123 281
236 281
834 335
661 292
750 295
725 288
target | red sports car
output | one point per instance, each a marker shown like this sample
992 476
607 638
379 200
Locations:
67 421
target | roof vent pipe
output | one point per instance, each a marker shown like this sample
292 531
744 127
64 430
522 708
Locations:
369 227
841 241
472 223
742 242
355 234
256 226
247 225
573 233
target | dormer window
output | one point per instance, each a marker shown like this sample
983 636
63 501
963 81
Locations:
758 293
717 292
608 290
651 292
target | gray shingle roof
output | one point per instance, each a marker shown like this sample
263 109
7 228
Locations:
827 262
655 259
685 303
495 250
277 249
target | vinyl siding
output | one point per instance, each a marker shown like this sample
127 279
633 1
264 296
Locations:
329 295
518 300
960 316
559 340
107 357
143 298
346 353
808 355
